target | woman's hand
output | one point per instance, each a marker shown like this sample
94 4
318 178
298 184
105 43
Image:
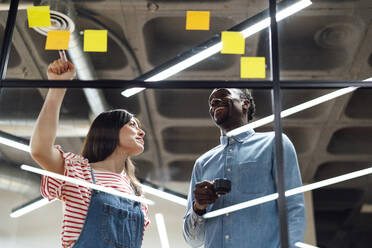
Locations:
60 70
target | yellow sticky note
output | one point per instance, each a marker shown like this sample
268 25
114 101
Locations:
232 42
252 67
38 16
197 20
57 40
95 40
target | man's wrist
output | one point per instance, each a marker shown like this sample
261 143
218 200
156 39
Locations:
199 212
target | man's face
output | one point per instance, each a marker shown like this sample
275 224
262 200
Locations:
226 108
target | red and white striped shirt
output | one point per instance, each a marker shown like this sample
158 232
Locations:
76 198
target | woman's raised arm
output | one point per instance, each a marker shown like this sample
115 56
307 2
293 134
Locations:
44 134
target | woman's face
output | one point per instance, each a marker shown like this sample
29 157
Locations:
131 138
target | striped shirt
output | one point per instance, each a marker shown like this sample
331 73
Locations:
76 198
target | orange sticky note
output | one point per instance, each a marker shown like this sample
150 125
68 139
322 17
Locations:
197 20
95 40
252 67
232 42
38 16
57 40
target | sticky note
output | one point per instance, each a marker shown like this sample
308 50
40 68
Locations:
232 42
57 40
197 20
252 67
95 40
38 16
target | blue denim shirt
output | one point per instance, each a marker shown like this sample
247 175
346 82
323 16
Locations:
248 161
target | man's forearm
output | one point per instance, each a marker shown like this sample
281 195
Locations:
296 219
194 229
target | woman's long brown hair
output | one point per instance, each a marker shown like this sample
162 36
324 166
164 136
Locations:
103 138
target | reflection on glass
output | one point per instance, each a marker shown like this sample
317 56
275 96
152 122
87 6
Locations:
326 42
332 141
137 44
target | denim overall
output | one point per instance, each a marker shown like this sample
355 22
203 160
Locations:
111 222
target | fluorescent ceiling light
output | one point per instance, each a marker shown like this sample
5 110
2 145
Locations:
86 184
174 69
14 144
161 194
282 14
366 208
293 9
290 192
150 190
303 245
6 6
30 207
295 109
132 91
162 230
164 195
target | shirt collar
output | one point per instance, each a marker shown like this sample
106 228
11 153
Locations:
239 138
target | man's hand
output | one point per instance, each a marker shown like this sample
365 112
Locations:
204 195
59 70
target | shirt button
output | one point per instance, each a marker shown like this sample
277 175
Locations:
230 150
227 237
228 169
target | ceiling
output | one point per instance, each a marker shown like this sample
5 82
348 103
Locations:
330 40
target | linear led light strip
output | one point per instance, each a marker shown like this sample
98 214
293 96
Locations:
290 192
162 230
14 144
31 207
217 47
303 245
164 195
295 109
6 6
147 189
86 184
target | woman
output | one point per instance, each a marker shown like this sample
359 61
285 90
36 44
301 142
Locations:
92 218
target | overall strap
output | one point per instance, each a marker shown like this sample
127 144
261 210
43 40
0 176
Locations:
91 172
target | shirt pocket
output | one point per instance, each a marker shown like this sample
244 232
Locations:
252 177
119 227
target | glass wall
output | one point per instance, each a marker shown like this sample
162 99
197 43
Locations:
150 41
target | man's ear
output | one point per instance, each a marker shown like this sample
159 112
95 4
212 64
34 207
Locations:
245 105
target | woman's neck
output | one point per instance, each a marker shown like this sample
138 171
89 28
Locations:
114 163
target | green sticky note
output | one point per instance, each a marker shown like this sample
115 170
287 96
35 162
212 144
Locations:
232 42
95 40
38 16
197 20
57 40
252 67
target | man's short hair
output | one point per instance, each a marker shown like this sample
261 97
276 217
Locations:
246 94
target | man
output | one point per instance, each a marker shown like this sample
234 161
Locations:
248 161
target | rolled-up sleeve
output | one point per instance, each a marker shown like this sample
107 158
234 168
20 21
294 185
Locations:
296 203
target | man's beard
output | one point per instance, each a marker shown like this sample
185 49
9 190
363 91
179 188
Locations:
221 118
